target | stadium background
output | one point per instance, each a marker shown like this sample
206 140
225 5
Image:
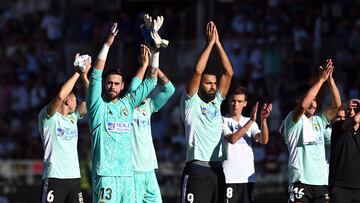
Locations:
274 46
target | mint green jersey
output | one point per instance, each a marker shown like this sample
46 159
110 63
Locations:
144 156
307 161
110 127
203 128
59 135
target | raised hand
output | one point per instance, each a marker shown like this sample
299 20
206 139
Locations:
327 71
217 41
211 32
82 62
150 30
76 63
145 55
149 23
254 112
266 110
332 70
112 33
158 23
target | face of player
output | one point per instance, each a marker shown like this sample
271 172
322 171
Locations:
114 85
71 102
309 112
237 104
208 87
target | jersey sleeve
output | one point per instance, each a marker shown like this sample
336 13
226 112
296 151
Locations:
93 98
134 84
144 89
163 96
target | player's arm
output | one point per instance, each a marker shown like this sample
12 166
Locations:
312 92
149 83
84 77
101 59
95 85
234 137
263 136
166 92
331 111
194 82
227 70
139 76
144 63
64 91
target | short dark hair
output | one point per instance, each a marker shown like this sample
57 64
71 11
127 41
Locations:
239 90
209 72
114 71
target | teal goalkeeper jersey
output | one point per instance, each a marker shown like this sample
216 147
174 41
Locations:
110 127
59 135
307 161
144 156
203 128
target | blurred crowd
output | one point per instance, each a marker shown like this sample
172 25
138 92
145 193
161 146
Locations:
273 45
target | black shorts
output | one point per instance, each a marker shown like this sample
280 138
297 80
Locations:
300 192
344 195
239 192
201 184
61 190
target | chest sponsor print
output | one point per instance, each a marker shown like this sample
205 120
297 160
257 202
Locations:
120 127
66 133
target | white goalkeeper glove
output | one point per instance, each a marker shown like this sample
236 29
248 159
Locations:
150 31
80 62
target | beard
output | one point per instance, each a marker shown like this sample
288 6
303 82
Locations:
207 96
112 95
310 112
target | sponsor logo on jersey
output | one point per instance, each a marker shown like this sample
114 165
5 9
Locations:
118 126
209 113
142 123
66 133
60 132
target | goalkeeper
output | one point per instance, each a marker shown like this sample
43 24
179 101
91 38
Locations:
110 123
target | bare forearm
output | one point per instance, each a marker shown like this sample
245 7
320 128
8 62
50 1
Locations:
311 94
194 82
68 86
101 58
162 77
227 71
233 138
62 94
141 72
335 94
86 82
225 62
264 135
203 59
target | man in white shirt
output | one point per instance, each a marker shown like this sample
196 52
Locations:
240 132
